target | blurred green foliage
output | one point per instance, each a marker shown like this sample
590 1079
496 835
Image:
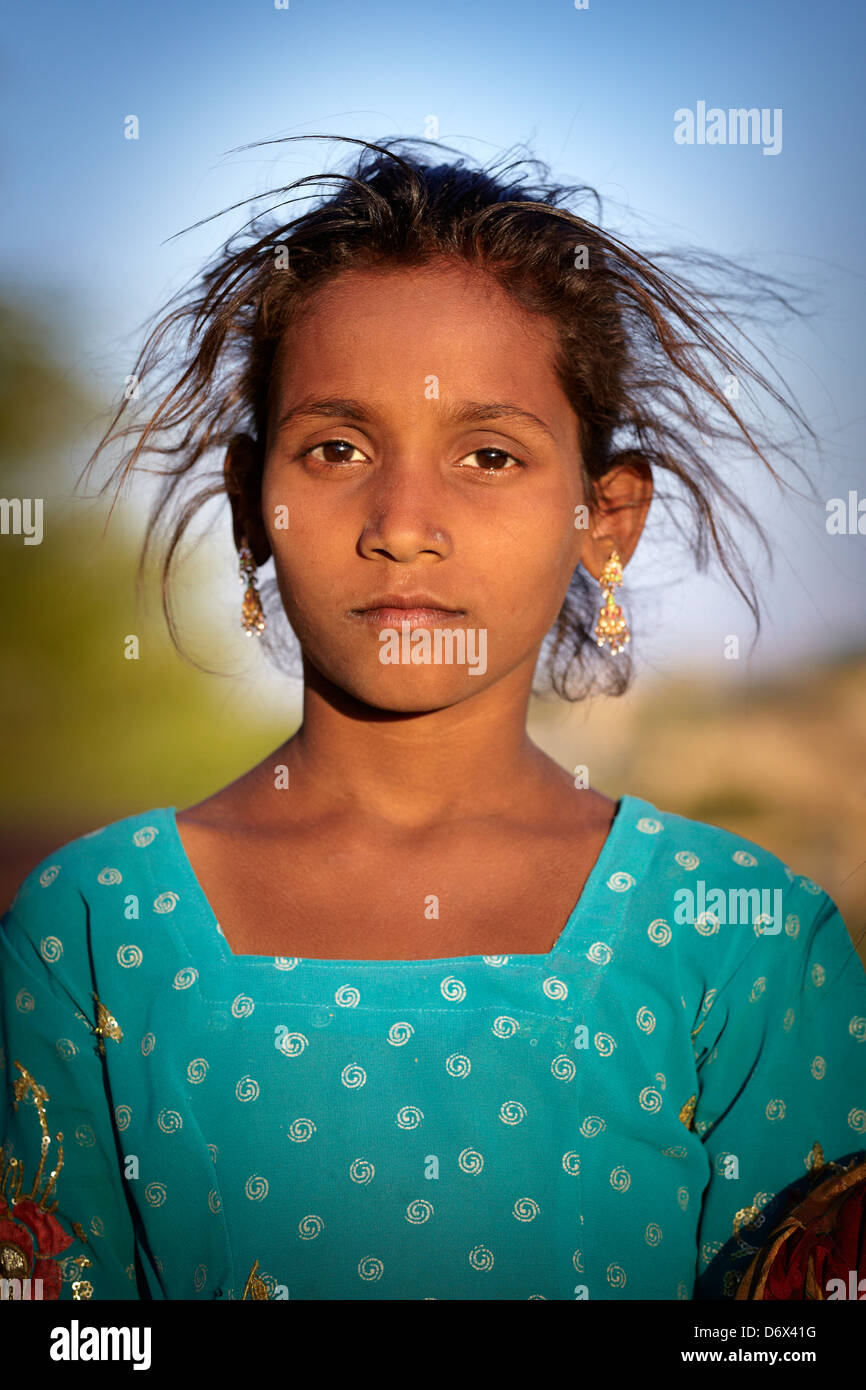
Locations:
40 399
95 733
92 735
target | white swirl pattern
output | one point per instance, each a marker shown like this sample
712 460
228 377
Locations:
435 1133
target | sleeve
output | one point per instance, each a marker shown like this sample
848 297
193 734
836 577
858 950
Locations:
64 1214
781 1067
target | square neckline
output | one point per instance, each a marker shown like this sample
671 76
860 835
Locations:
588 892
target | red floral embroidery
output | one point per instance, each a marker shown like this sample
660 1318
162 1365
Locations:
822 1237
30 1241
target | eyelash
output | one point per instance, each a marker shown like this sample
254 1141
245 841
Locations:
482 449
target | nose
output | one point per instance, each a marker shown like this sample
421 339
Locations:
405 519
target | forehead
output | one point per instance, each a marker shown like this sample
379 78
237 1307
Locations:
377 332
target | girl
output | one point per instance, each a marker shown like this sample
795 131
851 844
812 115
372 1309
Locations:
407 1011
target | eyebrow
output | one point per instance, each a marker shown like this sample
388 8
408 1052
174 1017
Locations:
458 412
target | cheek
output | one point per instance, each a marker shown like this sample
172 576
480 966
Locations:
303 545
539 549
303 576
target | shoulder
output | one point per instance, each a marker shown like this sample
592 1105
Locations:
681 846
702 878
731 926
67 880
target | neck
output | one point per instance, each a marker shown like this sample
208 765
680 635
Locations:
409 770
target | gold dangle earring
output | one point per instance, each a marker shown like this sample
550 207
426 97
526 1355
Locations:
252 616
611 626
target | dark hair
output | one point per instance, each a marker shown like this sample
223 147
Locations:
640 357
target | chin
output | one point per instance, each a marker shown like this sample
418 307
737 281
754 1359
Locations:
413 692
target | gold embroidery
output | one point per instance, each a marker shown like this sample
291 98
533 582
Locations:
687 1114
12 1182
816 1161
107 1025
13 1265
12 1172
255 1286
744 1217
81 1233
706 1005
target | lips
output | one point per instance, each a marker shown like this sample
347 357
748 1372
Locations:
421 610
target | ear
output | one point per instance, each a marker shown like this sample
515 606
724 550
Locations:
243 469
624 496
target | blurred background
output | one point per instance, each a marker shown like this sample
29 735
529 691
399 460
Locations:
771 745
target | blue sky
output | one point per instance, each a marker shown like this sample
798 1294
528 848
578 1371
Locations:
89 215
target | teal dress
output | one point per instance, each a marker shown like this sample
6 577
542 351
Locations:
611 1120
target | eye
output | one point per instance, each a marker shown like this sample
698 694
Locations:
333 444
494 465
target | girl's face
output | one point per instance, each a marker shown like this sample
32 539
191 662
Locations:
419 443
